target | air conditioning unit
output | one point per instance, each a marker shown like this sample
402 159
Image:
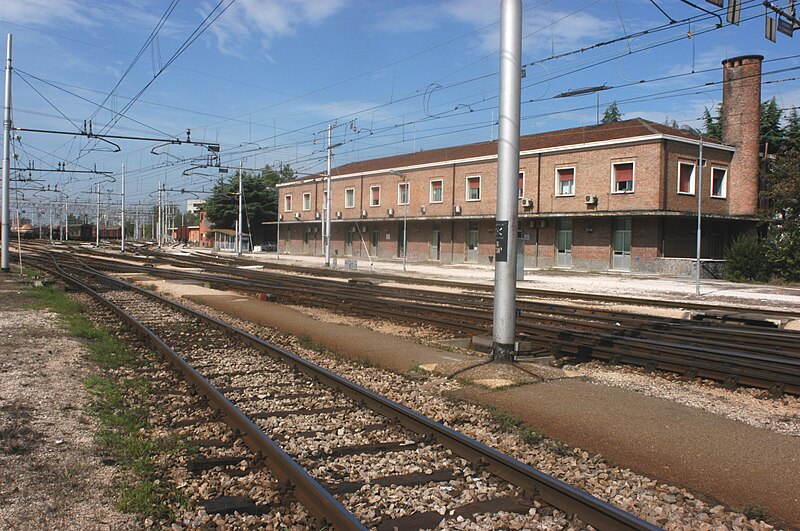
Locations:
457 209
590 199
317 215
527 202
297 215
339 214
363 213
390 212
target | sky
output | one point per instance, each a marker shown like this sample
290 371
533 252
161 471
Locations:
264 79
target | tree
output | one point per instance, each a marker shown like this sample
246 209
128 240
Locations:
771 132
612 114
713 124
260 199
791 133
783 233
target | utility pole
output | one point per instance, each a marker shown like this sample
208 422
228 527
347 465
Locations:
239 231
327 236
122 232
158 238
505 256
50 214
6 218
97 219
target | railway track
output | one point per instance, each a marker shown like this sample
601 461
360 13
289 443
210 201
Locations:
352 457
731 354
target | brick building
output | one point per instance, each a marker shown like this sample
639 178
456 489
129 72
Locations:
616 196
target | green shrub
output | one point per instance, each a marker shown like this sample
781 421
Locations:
746 260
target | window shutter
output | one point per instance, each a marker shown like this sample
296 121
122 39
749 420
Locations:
624 172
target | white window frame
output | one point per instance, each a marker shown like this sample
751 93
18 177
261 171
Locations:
480 191
287 203
614 177
353 190
521 191
306 200
371 188
407 185
692 179
324 200
440 181
724 183
558 181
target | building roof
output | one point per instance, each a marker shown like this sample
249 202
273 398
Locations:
229 232
576 136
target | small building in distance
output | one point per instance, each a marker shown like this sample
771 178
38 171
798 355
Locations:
618 196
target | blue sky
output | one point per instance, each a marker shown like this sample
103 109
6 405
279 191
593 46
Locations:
268 76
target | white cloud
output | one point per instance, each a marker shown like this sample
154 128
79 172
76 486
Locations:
265 20
46 12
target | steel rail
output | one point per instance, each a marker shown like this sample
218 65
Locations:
521 290
692 356
313 496
557 493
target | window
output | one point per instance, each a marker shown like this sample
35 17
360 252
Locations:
565 181
521 185
474 188
403 193
685 178
307 201
350 198
437 188
719 182
287 203
622 177
374 196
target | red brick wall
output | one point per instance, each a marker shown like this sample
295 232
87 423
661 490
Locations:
741 110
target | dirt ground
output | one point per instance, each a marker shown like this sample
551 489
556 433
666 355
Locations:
51 474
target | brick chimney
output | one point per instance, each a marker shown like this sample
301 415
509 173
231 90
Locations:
741 127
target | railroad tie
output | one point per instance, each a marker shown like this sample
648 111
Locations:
431 519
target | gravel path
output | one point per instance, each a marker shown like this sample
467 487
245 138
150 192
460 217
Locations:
52 475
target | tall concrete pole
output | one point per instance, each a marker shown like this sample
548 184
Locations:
160 231
122 232
505 257
97 219
327 236
6 217
239 226
699 201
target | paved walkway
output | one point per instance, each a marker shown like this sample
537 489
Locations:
720 458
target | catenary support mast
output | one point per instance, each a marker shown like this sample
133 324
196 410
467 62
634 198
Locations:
6 217
505 258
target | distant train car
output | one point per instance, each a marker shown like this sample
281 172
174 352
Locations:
110 233
26 231
86 232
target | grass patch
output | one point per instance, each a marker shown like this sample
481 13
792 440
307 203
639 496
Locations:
117 403
514 424
123 433
148 497
104 349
